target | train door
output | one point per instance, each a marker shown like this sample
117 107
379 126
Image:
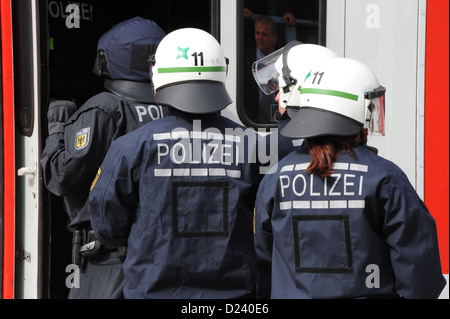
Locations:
1 175
2 178
1 189
7 151
28 217
72 30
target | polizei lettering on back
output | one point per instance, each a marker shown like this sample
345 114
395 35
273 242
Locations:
210 146
347 181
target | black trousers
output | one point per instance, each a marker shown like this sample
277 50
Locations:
101 277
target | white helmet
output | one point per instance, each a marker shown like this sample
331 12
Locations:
286 69
338 97
189 72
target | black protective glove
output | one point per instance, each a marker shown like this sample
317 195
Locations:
58 113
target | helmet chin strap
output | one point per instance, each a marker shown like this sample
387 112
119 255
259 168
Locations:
139 91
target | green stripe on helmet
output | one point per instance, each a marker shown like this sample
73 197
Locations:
193 69
329 92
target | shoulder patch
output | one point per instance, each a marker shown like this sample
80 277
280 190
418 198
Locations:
82 138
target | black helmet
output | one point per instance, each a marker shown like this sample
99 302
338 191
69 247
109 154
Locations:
122 56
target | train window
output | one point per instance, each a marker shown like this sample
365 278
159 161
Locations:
263 30
23 68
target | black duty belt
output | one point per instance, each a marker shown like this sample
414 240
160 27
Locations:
85 244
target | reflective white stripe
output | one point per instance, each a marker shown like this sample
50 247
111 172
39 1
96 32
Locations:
214 136
207 136
316 204
161 136
359 167
356 204
163 172
233 138
181 172
217 172
198 135
197 172
287 168
285 205
338 204
301 167
180 134
234 173
302 204
343 166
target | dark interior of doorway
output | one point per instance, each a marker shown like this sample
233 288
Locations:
68 56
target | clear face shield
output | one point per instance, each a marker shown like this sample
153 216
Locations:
266 73
375 111
272 73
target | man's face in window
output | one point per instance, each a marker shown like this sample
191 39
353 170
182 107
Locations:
264 38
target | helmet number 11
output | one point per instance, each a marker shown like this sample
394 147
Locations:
315 77
196 56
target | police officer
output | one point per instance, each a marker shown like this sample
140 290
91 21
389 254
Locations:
79 139
284 71
335 219
181 190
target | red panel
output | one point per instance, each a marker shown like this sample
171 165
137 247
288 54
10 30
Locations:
8 133
437 121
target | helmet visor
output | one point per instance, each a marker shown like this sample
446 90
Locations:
375 101
266 73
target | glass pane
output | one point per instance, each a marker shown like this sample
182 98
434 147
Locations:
267 26
23 68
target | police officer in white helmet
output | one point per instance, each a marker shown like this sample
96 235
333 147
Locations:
178 191
336 220
282 73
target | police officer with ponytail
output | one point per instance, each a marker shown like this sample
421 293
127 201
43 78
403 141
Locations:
335 219
79 139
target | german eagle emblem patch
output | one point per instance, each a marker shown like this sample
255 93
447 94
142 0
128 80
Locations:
82 138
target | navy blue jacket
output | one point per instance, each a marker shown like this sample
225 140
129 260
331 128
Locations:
181 192
71 160
363 232
286 145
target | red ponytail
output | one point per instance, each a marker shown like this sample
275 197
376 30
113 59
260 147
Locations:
324 150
